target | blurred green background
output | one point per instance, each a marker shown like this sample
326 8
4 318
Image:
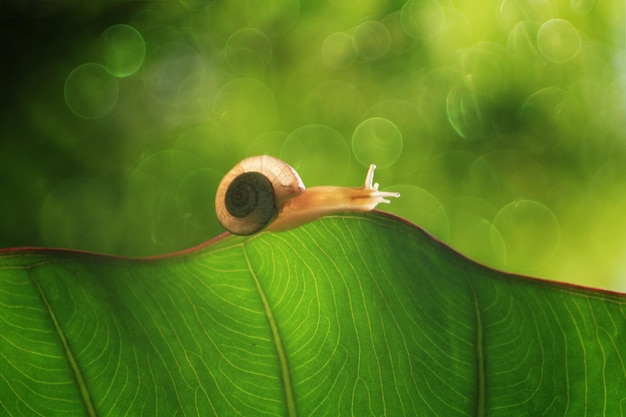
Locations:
502 123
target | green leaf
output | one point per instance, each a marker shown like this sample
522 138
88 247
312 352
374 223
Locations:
350 315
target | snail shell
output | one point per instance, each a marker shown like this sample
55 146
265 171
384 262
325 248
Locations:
249 197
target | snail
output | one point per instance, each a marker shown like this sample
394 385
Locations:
262 192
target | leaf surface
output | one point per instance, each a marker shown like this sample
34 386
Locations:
350 315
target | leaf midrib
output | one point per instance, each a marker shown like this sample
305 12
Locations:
480 352
283 363
71 359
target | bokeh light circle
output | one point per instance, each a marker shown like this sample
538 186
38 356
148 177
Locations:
512 12
466 112
319 154
582 6
423 19
377 140
278 16
559 41
555 105
91 91
123 49
471 232
416 136
483 67
420 207
337 50
522 42
269 143
371 40
531 234
248 51
166 70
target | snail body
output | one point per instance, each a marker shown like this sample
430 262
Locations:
263 192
